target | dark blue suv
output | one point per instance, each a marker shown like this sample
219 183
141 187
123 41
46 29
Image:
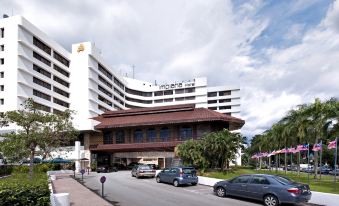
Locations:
178 176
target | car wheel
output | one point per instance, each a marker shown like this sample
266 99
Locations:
221 192
194 184
175 183
132 174
271 200
158 179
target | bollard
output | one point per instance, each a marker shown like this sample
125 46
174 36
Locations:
102 180
82 174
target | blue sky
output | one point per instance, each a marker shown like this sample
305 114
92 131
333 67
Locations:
280 52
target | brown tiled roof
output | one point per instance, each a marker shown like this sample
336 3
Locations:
136 147
186 113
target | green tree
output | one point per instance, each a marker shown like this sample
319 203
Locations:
191 152
222 147
35 131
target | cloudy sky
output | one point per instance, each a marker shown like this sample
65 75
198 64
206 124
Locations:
281 53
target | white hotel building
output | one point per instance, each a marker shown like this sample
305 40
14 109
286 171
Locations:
33 65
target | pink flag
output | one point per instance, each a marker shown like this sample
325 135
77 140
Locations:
302 147
317 147
284 150
332 145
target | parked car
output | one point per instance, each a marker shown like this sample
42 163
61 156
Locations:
143 171
131 165
178 176
106 168
120 166
153 166
334 172
271 189
324 170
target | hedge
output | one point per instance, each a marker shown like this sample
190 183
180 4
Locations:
20 190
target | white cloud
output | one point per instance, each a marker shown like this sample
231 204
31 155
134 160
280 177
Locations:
182 39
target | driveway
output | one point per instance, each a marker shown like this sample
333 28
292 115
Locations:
123 190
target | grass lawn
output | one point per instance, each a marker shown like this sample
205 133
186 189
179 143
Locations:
326 184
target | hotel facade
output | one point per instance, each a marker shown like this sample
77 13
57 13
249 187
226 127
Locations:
32 65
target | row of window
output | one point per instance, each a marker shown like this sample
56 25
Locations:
139 93
177 91
48 74
221 93
48 97
220 107
105 100
100 88
139 100
150 135
49 86
220 101
41 45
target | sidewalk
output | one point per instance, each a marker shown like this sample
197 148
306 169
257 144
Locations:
79 195
318 198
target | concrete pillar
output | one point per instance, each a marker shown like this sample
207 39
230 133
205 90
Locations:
77 156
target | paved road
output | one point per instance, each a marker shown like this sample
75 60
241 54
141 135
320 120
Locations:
123 190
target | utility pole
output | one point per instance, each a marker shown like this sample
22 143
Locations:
133 67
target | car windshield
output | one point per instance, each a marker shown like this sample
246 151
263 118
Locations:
188 170
283 180
145 167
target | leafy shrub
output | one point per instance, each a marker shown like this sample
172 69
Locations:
21 169
19 190
5 170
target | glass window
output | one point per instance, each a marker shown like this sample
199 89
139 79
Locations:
259 180
224 100
168 100
241 179
225 107
159 93
61 59
164 134
151 135
60 81
60 102
168 92
212 101
61 71
138 136
2 33
224 93
120 137
189 90
41 45
213 108
41 83
41 58
180 91
185 133
212 94
108 138
41 71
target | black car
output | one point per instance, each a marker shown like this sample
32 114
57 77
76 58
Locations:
271 189
106 168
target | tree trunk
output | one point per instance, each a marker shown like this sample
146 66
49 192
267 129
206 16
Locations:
298 164
285 162
31 159
315 160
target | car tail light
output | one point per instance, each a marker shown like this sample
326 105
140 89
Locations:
294 191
